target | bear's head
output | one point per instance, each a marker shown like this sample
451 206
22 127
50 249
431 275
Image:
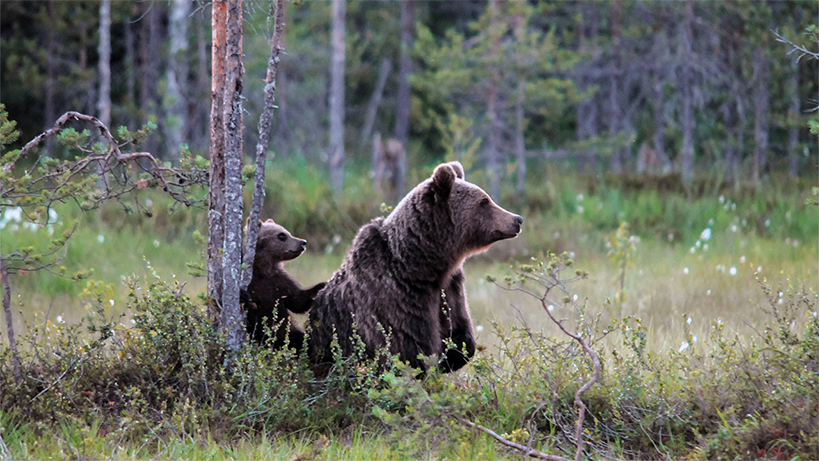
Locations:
459 214
275 244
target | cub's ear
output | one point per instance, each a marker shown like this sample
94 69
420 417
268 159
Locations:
442 180
459 169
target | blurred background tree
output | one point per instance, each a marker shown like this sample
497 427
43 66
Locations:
686 89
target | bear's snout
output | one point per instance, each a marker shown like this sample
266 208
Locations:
304 242
519 220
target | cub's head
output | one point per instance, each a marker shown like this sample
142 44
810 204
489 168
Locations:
276 244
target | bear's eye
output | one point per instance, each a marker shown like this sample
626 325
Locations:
282 236
485 203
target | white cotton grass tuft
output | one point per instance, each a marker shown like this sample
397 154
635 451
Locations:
732 270
706 234
683 346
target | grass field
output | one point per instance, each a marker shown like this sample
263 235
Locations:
697 262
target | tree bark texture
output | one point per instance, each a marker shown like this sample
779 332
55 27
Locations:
337 57
375 101
176 76
687 84
492 155
216 191
793 115
520 146
104 65
232 320
15 355
148 52
615 111
403 106
261 148
761 100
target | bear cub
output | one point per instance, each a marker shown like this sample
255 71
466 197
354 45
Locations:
273 292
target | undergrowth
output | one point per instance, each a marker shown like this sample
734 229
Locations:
93 387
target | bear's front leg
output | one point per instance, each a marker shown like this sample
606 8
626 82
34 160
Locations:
302 301
456 325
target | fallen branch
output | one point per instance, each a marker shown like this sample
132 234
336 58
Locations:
526 451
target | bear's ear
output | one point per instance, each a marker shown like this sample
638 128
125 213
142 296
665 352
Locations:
442 180
459 169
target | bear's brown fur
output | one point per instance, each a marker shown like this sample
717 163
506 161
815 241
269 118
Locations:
404 273
273 292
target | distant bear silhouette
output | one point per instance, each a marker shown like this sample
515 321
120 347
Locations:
398 267
272 291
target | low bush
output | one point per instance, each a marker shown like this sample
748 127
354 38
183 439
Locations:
91 387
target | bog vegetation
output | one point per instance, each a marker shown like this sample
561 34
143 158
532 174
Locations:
659 152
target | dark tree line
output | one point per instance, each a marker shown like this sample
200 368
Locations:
619 86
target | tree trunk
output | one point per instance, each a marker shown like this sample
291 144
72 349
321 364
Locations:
104 65
216 191
15 355
176 76
587 109
130 71
200 129
761 97
261 148
492 155
375 100
793 132
337 97
658 104
232 320
50 106
520 147
149 50
403 105
615 111
687 96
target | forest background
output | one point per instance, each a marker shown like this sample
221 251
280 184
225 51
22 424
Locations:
687 120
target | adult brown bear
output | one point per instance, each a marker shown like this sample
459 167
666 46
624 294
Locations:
273 292
399 268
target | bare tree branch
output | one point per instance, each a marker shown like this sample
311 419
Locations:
261 147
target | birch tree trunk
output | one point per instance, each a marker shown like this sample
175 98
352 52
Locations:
176 76
793 115
404 100
216 191
492 155
232 320
615 112
520 147
337 97
261 148
687 96
761 99
104 65
375 101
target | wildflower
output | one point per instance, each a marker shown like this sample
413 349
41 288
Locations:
100 238
579 197
52 215
156 243
60 319
580 209
111 302
479 328
734 228
732 270
706 234
684 346
721 199
708 292
768 222
742 259
698 244
689 320
550 307
336 239
694 338
705 247
685 270
692 250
